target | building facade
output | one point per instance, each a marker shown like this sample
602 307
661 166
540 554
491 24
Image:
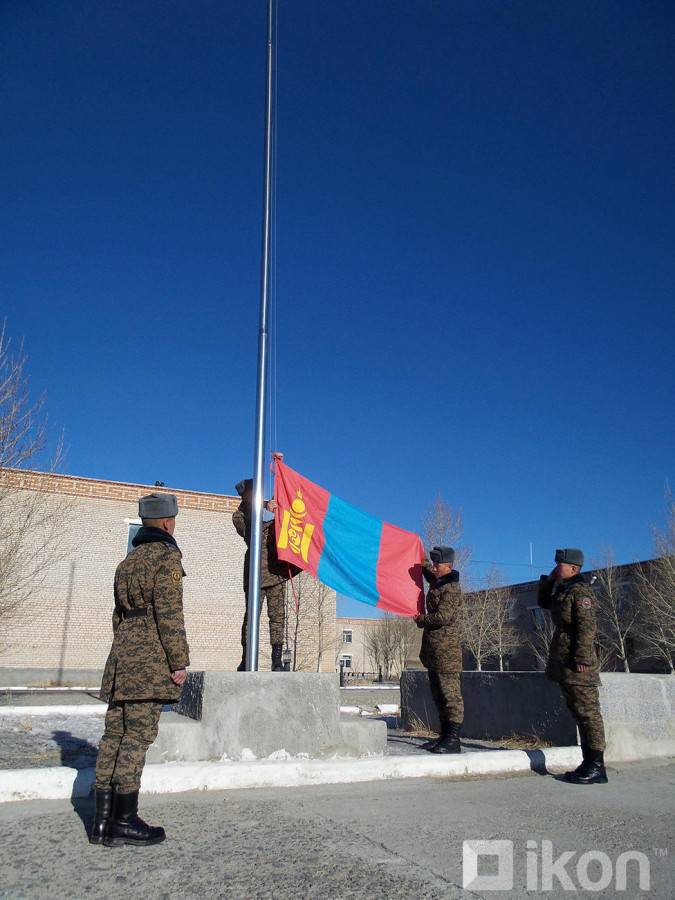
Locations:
65 621
352 653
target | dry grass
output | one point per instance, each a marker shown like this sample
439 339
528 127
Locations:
523 742
419 728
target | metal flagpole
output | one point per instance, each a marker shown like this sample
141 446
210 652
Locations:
256 521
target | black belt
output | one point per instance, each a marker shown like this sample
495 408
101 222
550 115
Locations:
137 613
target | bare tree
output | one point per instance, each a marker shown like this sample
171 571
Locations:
489 628
655 585
506 637
31 523
477 625
380 642
310 616
538 634
443 526
618 614
406 636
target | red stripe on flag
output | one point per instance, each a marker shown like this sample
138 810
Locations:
299 518
399 571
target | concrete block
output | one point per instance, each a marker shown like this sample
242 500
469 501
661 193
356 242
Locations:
362 737
245 715
496 705
179 740
638 710
639 715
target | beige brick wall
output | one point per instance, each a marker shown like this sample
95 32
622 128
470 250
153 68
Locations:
66 623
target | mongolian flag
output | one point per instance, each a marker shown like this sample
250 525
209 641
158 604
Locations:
350 551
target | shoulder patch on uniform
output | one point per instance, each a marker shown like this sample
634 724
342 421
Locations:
176 575
586 602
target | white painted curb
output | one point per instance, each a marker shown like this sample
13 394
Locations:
85 709
371 687
60 783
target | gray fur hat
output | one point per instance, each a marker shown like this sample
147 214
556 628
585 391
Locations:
246 484
570 555
442 555
158 506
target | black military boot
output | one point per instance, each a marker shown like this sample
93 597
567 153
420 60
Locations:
125 826
101 815
429 745
591 771
449 742
277 665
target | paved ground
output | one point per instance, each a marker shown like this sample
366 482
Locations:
377 841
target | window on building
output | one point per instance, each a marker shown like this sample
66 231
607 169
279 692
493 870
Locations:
346 636
131 533
345 661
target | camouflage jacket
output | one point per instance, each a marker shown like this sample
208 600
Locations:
441 646
573 611
146 649
272 570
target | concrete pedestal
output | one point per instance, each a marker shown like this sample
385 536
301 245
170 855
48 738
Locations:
246 715
497 705
639 715
638 710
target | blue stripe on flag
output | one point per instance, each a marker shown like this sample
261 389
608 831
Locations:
351 549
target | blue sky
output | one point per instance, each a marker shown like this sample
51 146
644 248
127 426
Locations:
474 261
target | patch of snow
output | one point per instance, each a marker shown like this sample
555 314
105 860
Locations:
247 755
279 754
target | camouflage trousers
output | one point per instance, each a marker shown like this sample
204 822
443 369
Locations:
583 702
446 690
130 727
276 611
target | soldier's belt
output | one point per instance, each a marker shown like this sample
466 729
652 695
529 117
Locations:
139 612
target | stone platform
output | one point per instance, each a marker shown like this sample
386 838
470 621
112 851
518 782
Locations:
258 715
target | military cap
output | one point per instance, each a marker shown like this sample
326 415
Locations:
246 484
442 555
570 555
158 506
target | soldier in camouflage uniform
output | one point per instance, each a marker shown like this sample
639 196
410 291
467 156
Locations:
441 651
273 574
572 660
145 669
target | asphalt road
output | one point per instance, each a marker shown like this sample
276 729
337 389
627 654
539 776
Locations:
397 839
